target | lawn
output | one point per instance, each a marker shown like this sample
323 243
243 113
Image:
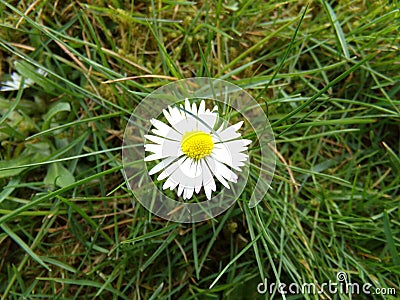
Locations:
327 75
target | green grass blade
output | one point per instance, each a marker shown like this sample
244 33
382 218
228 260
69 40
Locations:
23 245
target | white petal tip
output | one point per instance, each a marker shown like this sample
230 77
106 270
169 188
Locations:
162 176
238 125
246 142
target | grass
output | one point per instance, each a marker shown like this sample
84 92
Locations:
326 73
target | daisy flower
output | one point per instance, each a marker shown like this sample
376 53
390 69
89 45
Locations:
15 82
192 153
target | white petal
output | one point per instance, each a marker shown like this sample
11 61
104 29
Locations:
155 148
168 116
202 108
207 122
228 133
170 183
203 122
153 157
165 131
237 164
190 176
175 113
225 172
208 192
233 159
9 86
208 180
190 123
167 148
188 168
160 126
187 118
16 77
197 188
154 138
171 169
180 190
212 165
188 193
188 108
237 144
185 172
174 118
198 179
162 165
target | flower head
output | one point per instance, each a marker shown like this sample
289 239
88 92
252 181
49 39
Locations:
192 152
15 83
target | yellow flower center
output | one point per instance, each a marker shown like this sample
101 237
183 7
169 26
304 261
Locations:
197 144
